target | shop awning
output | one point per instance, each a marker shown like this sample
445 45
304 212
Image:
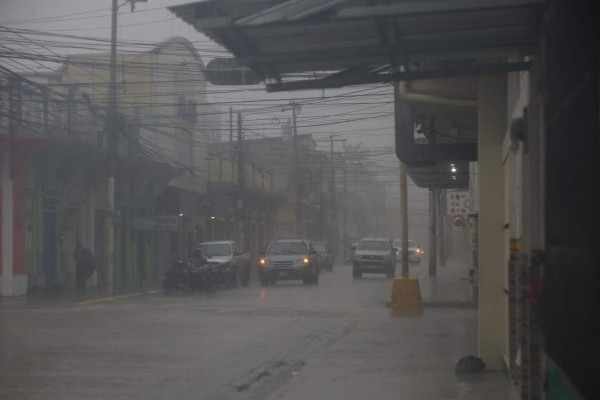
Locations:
311 44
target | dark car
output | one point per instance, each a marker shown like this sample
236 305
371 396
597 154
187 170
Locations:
374 255
289 259
326 256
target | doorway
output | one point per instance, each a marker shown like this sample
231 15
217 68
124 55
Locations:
49 244
99 245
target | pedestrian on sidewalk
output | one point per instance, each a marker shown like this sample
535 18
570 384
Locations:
84 265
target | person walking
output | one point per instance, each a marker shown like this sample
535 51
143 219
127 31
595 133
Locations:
84 265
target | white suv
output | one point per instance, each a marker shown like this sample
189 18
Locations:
374 255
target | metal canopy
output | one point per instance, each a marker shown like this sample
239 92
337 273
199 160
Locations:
350 42
365 39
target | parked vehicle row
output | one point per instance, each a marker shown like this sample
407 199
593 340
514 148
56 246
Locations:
220 264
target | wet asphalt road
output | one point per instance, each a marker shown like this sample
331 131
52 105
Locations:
243 343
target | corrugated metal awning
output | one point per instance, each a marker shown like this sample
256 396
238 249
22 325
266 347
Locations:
308 44
365 40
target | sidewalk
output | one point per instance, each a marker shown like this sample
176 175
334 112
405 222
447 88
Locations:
70 296
450 287
410 358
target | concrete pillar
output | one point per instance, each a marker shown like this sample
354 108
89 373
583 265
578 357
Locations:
6 204
493 302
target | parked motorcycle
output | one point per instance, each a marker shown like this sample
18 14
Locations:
191 276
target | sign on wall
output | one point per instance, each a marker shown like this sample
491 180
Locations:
458 203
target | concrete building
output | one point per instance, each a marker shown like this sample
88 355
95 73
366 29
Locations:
164 89
53 188
298 215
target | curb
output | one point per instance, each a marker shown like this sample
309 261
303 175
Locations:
113 298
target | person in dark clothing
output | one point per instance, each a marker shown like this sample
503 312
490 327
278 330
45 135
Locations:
84 265
198 258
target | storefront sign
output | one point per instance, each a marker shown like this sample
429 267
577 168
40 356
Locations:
458 203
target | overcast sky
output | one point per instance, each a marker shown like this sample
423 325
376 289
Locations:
363 119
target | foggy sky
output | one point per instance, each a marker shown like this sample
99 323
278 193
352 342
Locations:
152 22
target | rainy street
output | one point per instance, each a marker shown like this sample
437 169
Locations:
331 341
426 170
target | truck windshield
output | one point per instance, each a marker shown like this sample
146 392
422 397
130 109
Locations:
287 248
373 245
215 249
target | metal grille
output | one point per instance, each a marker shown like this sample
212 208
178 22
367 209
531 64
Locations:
283 263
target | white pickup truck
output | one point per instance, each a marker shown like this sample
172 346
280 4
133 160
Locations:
226 252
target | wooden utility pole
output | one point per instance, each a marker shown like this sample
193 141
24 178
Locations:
403 192
332 199
299 230
111 132
332 182
231 127
344 210
321 198
441 226
432 234
241 168
404 217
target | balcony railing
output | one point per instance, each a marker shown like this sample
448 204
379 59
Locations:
31 109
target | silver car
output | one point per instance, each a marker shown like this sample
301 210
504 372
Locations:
289 259
414 252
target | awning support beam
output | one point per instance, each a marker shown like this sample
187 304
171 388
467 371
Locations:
361 79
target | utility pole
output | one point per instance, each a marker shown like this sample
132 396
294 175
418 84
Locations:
403 193
441 198
432 235
241 183
344 210
332 189
299 230
231 127
111 132
404 217
321 198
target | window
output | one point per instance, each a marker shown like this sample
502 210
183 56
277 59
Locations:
287 248
374 245
215 249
